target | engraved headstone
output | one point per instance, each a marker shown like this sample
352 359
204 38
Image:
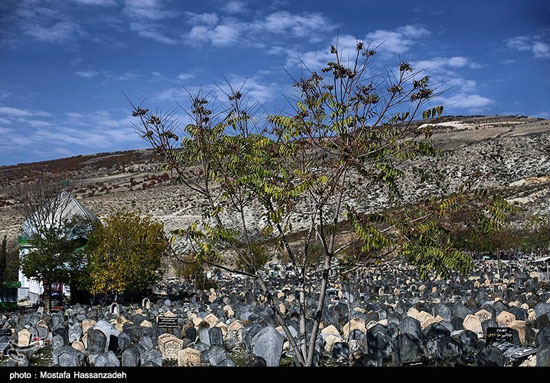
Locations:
169 346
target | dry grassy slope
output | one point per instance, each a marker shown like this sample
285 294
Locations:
495 150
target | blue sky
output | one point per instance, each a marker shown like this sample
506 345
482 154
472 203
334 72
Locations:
65 63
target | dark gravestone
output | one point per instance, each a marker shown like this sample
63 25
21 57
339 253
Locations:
458 323
97 342
63 333
113 343
216 355
146 342
499 307
69 357
519 313
57 342
542 308
408 349
124 341
204 336
542 321
340 351
75 332
543 356
107 359
135 332
490 356
379 342
257 361
445 312
43 332
543 336
130 356
191 333
490 308
248 333
268 344
461 311
449 348
411 326
469 341
360 340
436 330
216 336
151 358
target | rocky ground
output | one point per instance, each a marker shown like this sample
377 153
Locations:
507 152
383 317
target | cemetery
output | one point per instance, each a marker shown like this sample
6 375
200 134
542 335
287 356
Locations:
384 316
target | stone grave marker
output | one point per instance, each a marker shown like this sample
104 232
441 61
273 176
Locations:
114 309
169 346
23 338
189 357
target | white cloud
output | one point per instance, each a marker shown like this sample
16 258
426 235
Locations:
533 44
185 76
87 73
540 49
59 32
151 31
298 25
215 30
101 3
234 7
397 41
466 101
252 87
147 9
10 112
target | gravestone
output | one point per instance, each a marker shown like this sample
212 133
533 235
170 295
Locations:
87 324
130 356
23 338
97 342
67 356
411 326
408 349
268 344
189 357
107 359
146 303
114 309
216 336
169 346
216 355
151 357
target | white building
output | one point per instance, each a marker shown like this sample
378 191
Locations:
68 208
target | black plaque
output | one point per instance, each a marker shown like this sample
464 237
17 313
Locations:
5 332
167 322
499 334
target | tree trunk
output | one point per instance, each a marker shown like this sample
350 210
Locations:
49 298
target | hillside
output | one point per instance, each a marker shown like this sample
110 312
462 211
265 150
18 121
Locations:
508 152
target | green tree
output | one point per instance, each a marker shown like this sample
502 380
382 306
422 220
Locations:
125 254
52 232
53 257
348 134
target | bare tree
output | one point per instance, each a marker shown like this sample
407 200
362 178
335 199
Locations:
52 233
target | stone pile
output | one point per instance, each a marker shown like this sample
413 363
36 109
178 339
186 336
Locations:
384 316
